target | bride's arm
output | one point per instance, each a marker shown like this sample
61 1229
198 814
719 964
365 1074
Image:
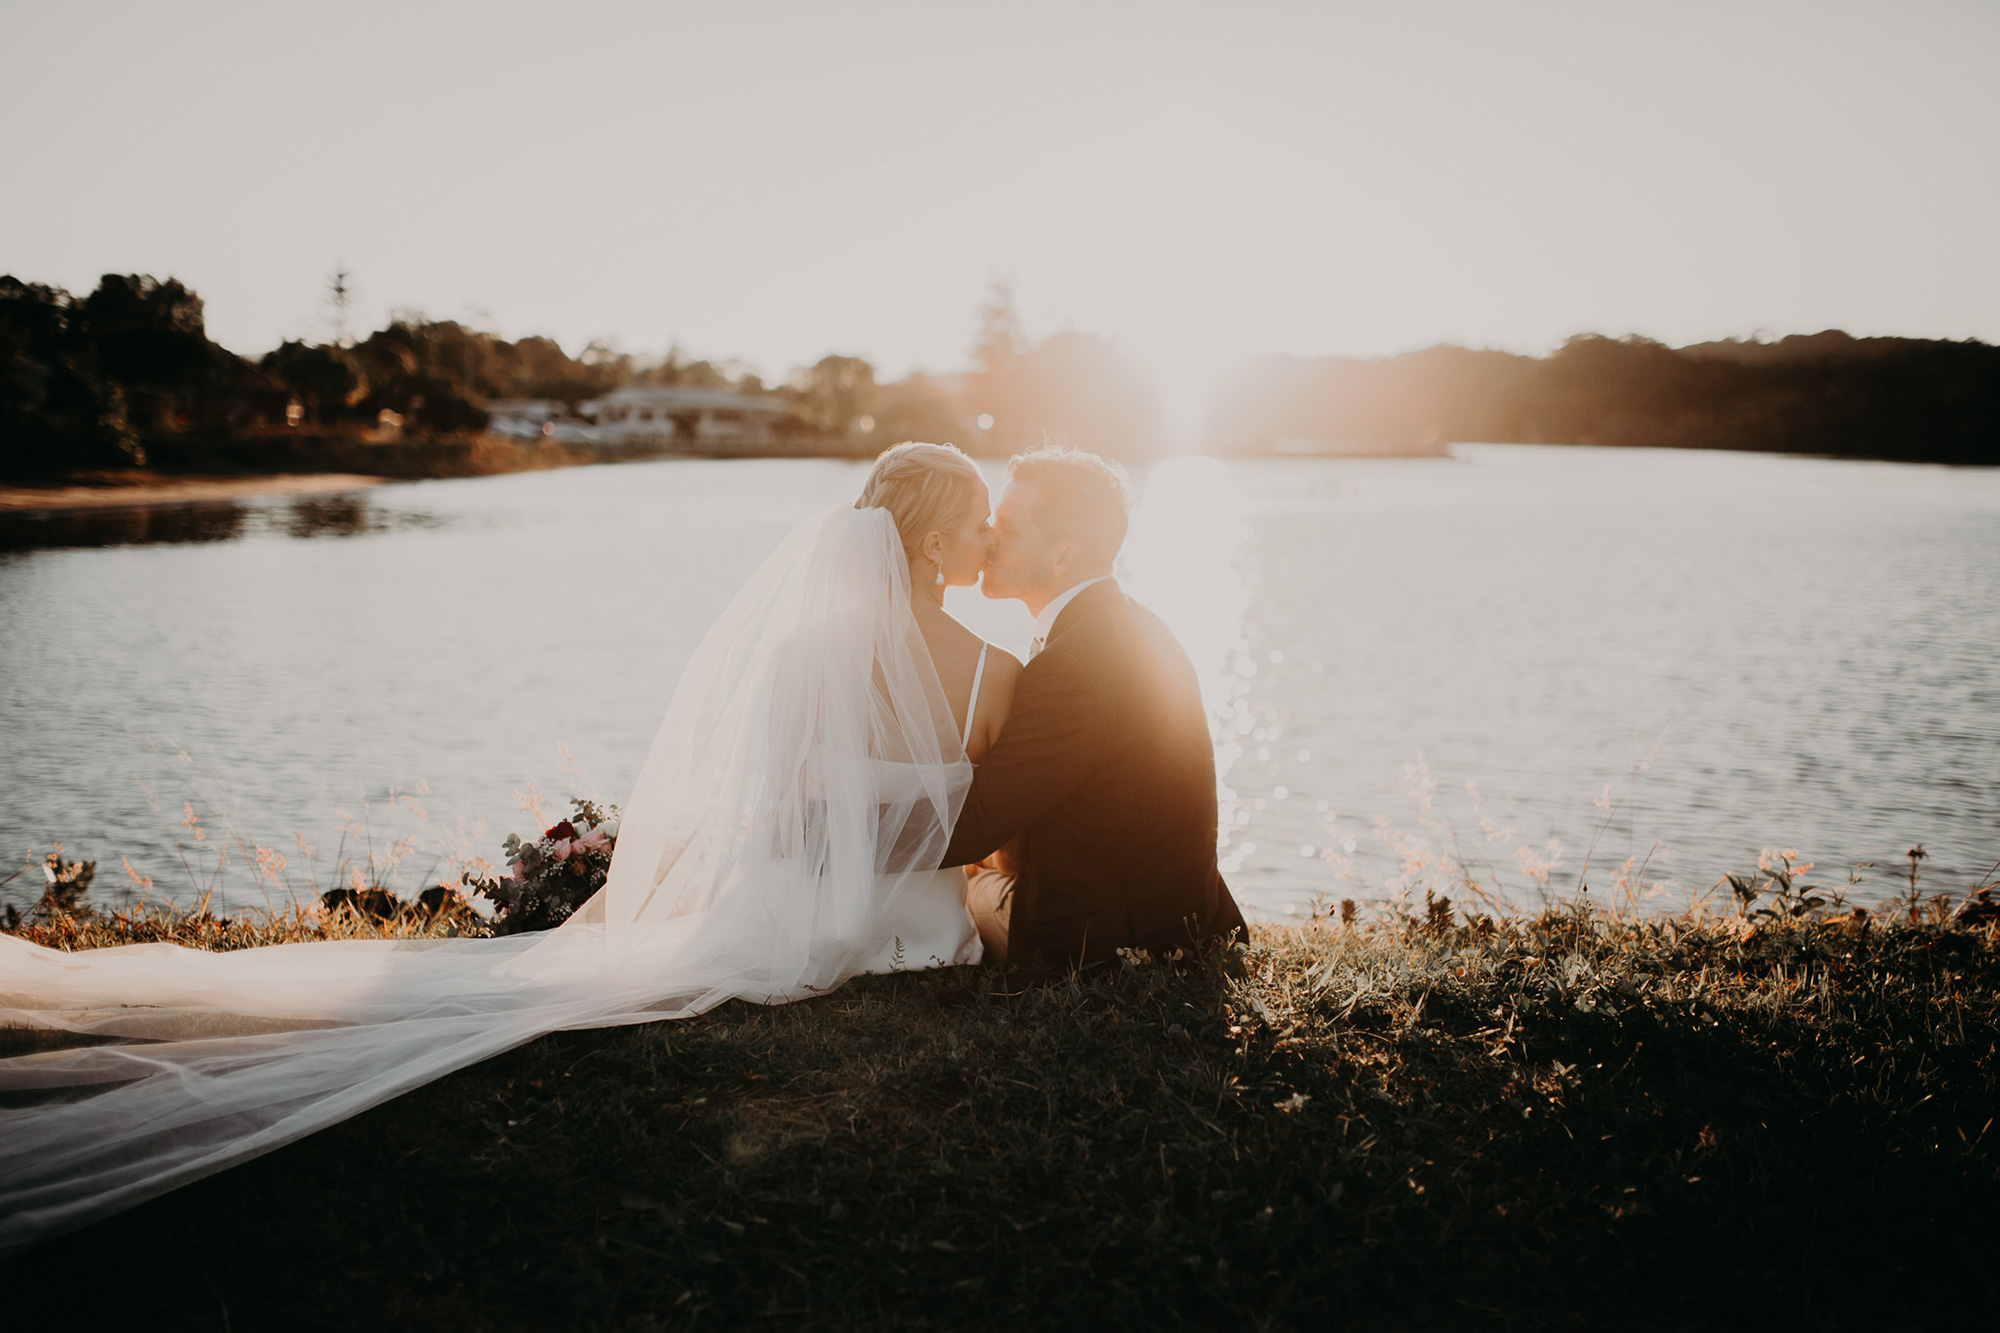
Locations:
995 702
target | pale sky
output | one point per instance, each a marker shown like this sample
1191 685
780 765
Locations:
771 181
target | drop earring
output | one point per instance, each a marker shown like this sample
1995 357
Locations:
940 573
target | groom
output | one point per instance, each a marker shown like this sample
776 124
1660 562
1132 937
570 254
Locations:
1101 787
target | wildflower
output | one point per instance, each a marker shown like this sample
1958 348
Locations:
269 863
1603 799
1533 866
144 883
1422 786
530 803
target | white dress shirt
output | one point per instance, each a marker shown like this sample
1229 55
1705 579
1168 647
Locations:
1046 621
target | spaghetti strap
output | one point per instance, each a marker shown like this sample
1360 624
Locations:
972 704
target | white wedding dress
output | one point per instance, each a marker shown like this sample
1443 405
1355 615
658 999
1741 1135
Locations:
783 836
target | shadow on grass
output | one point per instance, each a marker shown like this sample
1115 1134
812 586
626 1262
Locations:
1567 1122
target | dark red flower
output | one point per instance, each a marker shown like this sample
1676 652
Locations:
562 830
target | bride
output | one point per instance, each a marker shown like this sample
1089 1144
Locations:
782 837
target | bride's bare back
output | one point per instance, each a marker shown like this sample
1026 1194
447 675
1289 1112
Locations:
955 651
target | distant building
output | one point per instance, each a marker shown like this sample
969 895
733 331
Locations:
694 419
525 418
1428 445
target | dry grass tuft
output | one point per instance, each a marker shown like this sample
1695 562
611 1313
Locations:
150 923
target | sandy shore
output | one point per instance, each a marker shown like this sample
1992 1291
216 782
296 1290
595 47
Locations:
175 490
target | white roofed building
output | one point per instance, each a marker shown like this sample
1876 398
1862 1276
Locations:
524 418
699 420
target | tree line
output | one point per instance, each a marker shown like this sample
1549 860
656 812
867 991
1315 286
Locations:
127 377
1910 399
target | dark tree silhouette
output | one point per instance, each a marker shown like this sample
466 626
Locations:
1828 393
835 393
329 380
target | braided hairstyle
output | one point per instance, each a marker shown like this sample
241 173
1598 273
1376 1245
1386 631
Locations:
925 488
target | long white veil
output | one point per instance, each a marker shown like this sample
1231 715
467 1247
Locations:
805 778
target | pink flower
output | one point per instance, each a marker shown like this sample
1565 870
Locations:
593 840
561 849
517 870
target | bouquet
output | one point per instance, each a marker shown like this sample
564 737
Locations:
549 878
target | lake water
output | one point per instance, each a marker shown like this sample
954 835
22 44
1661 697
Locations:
1686 659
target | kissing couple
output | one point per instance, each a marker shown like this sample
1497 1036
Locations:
846 780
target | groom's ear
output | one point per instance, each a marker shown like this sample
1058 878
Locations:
1068 554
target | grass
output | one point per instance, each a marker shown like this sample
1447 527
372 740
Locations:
1569 1120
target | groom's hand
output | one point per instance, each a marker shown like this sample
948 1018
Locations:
1008 859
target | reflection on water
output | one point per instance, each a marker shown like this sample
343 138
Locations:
137 526
1184 559
334 516
340 515
1814 640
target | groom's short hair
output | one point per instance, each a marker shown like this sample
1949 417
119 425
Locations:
1083 498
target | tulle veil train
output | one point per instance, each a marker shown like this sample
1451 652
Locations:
803 781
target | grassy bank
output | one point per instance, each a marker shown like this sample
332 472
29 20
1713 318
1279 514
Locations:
1568 1121
293 463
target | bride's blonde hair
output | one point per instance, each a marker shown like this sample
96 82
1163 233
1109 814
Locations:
925 488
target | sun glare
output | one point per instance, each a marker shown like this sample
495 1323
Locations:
1181 560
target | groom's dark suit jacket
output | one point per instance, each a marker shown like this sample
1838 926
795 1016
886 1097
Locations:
1105 774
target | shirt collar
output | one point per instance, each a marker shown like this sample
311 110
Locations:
1046 621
